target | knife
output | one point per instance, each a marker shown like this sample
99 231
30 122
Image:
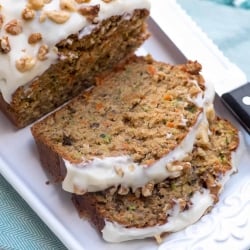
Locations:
229 81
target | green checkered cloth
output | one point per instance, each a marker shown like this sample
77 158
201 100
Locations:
20 227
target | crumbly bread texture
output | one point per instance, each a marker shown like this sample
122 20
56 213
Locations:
78 63
143 109
205 167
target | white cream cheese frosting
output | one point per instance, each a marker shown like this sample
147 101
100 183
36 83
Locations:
114 232
54 21
201 201
100 174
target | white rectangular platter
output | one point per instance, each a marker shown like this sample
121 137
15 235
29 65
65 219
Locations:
226 227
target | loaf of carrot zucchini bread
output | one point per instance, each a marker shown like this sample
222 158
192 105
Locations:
50 50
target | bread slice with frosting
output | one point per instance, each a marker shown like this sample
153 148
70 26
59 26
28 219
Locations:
127 130
173 204
52 50
142 152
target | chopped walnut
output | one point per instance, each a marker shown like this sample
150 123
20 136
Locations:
210 180
123 191
194 91
174 167
202 135
36 4
28 14
34 38
212 184
201 152
187 165
43 52
4 45
58 16
82 1
25 63
90 12
68 5
14 27
119 171
210 113
1 20
137 193
147 190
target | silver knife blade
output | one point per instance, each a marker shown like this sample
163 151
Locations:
229 80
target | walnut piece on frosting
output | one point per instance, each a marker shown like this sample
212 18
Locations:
43 52
174 167
82 1
1 20
202 136
34 38
28 14
123 190
36 4
58 16
13 27
119 171
68 5
90 12
147 190
25 63
4 45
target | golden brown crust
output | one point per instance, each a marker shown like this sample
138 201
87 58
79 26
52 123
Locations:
86 207
7 110
51 162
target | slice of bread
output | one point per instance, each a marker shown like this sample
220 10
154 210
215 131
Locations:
142 116
172 204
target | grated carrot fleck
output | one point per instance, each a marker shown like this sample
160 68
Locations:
151 70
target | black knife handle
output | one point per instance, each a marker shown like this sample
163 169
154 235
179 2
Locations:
238 101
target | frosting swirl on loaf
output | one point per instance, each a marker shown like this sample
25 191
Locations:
30 30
